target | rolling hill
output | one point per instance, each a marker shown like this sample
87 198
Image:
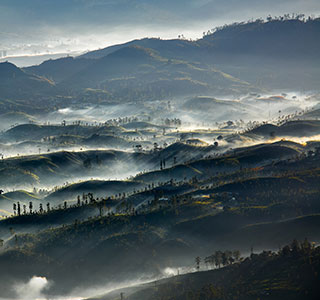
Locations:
145 71
16 84
299 128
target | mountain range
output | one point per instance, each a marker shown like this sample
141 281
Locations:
234 59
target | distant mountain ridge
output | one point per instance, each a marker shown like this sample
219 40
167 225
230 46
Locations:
235 59
286 37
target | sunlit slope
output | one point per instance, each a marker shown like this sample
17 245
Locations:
300 129
59 167
250 157
37 132
97 188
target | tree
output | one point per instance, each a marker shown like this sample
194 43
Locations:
174 160
295 247
236 255
40 208
218 258
285 251
100 209
30 207
48 206
226 257
306 246
198 261
208 260
19 209
14 208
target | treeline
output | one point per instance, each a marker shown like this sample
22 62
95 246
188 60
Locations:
282 18
219 259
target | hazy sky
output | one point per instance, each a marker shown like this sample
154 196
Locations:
39 26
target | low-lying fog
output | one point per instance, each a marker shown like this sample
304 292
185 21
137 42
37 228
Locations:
253 107
140 127
217 109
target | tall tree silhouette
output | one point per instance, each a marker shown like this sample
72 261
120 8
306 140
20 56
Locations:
198 261
19 209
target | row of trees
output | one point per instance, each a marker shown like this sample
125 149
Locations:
269 18
297 248
219 259
224 258
19 209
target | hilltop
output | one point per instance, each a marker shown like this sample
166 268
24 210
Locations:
17 84
299 128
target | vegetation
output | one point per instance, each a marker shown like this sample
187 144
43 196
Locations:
292 272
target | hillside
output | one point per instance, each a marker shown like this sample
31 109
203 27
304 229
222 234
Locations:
258 39
300 128
98 188
33 132
236 208
275 276
254 46
252 38
60 167
16 84
146 72
168 48
59 69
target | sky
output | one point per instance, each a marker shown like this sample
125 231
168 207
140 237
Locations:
34 27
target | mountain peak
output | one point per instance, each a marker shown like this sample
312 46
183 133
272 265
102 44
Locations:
9 70
133 52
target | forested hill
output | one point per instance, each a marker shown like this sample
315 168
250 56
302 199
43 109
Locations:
293 38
